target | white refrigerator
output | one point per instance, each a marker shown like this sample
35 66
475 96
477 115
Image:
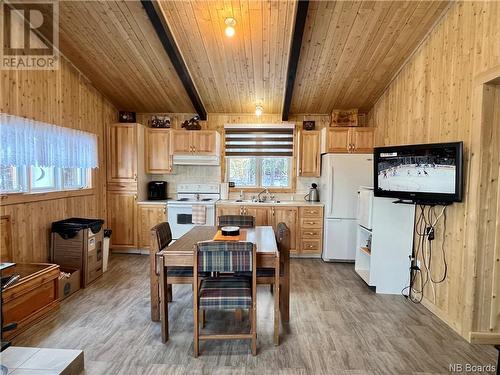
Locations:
341 177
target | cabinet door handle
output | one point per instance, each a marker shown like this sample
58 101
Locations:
135 197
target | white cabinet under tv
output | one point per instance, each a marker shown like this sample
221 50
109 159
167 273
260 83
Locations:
385 264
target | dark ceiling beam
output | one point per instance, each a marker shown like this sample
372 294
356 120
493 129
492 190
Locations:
167 39
293 60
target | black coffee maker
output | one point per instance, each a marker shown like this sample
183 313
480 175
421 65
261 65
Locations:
157 190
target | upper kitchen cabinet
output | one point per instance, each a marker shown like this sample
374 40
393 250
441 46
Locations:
122 153
158 151
199 142
354 140
309 153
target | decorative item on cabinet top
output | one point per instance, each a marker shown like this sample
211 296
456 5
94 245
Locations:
344 117
127 117
308 125
192 124
159 121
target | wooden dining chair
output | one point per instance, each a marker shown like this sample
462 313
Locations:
267 276
242 221
161 281
227 291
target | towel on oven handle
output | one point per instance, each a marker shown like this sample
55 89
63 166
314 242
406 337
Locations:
199 214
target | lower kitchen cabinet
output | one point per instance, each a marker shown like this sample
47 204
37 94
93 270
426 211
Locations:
228 210
122 218
305 223
261 214
289 216
311 230
148 215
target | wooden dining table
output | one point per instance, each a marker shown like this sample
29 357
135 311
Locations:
181 253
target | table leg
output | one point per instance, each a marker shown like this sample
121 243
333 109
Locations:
285 293
164 302
154 281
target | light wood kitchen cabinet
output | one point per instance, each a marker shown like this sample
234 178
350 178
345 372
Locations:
122 153
362 140
305 223
148 215
289 216
309 153
311 230
200 142
158 157
350 140
228 210
261 214
203 142
181 142
122 218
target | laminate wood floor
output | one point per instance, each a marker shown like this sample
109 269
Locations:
337 326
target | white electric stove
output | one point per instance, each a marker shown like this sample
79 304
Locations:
180 209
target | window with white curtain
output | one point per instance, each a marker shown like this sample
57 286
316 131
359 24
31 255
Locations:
40 157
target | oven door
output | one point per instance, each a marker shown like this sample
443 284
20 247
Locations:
179 218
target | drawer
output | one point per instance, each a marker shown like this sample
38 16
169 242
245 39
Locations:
311 212
309 222
311 245
311 233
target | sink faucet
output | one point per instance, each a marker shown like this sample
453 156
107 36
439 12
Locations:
263 191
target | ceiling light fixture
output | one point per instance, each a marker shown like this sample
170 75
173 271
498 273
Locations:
230 23
259 109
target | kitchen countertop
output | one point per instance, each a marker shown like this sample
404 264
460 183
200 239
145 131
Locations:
296 203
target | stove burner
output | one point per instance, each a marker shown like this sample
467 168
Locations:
206 199
182 199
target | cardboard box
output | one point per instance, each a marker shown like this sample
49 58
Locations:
69 285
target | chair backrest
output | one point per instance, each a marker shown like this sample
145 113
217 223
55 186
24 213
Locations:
161 236
283 239
225 256
242 221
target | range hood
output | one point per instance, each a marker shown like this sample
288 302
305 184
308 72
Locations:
196 160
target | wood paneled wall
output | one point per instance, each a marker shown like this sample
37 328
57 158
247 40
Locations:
430 101
61 97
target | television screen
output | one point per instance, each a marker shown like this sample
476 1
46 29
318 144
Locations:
430 173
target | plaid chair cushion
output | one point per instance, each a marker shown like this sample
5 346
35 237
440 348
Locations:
224 256
225 293
242 221
163 235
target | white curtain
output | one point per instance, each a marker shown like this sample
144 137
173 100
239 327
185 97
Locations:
25 142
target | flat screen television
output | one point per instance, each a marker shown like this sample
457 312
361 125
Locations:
426 173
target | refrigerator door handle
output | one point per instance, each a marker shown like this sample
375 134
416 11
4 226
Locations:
330 213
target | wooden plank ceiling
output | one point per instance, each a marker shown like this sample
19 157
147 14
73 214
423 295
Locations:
232 75
349 53
114 44
352 49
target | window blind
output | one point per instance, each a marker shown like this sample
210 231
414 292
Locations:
261 140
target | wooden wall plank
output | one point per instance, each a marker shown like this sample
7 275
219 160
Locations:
431 101
62 97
